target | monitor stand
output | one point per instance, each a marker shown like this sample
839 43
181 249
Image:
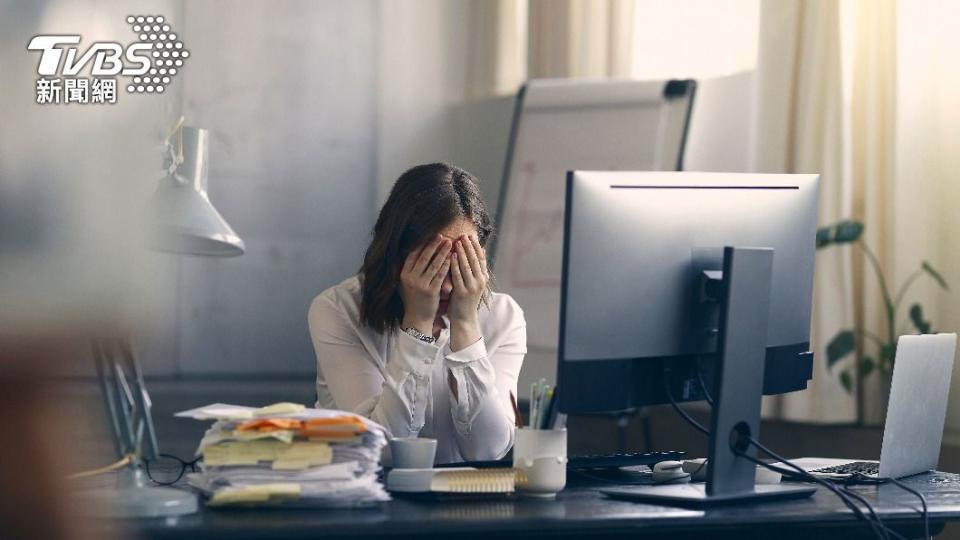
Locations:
737 391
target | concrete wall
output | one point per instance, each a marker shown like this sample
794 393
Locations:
293 108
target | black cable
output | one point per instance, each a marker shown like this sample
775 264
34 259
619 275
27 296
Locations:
925 512
825 483
923 504
673 403
703 385
879 529
923 500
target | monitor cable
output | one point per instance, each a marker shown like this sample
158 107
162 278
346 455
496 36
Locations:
924 512
879 530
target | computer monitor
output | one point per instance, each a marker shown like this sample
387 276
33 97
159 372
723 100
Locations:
639 249
672 278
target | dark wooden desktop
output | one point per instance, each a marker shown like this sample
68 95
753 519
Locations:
578 512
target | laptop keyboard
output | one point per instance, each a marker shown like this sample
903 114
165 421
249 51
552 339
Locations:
866 468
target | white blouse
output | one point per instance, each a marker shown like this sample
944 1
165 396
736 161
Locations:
401 382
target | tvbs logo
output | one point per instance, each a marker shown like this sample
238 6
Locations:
107 57
149 63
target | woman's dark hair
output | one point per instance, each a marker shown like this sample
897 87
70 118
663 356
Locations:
423 201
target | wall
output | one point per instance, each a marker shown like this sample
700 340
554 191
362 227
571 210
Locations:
290 97
292 105
74 180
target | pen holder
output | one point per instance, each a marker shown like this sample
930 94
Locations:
540 457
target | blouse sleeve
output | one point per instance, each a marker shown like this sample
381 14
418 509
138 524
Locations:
485 375
396 397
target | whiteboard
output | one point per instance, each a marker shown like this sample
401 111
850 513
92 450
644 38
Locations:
561 125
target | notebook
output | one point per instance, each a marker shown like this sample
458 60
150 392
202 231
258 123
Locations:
452 480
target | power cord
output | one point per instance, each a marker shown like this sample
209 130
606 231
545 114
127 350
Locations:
843 494
925 512
856 476
877 526
115 466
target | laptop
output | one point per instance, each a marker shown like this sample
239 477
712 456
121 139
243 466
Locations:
916 413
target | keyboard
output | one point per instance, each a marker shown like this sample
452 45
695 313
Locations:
614 461
598 461
866 468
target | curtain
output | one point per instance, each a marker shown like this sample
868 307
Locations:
580 38
496 47
926 191
799 129
873 80
888 151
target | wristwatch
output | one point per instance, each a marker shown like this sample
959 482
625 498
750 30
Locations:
413 332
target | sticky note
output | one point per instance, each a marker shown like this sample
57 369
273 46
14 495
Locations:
279 408
295 455
257 493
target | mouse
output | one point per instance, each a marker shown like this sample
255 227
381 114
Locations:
669 472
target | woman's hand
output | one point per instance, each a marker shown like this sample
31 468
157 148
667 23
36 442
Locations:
468 269
420 280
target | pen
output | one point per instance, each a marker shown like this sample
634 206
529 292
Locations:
541 393
517 418
544 407
533 401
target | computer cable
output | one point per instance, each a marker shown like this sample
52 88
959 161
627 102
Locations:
923 504
877 526
861 478
676 407
702 384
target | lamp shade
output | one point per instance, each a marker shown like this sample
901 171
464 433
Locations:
184 220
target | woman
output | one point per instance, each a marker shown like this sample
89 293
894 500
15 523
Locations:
417 341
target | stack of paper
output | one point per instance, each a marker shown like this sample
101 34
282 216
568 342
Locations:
287 452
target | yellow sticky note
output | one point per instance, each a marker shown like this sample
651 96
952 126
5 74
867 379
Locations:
224 454
284 455
258 493
284 435
301 455
279 408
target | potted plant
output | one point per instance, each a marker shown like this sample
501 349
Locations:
873 353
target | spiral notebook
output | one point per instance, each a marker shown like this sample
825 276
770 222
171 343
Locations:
452 480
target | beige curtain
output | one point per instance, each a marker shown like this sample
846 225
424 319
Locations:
800 130
926 191
510 41
872 152
580 38
496 53
828 103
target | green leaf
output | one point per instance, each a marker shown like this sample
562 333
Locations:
840 346
823 237
887 354
846 379
847 231
916 317
866 366
935 275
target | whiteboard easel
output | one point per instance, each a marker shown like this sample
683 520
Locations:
561 125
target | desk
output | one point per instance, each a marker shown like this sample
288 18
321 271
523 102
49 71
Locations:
578 512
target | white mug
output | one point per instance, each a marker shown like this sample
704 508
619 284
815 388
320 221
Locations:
540 457
413 452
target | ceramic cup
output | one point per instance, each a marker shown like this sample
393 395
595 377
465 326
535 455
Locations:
413 452
540 456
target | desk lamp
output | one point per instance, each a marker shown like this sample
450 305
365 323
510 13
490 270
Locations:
183 222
